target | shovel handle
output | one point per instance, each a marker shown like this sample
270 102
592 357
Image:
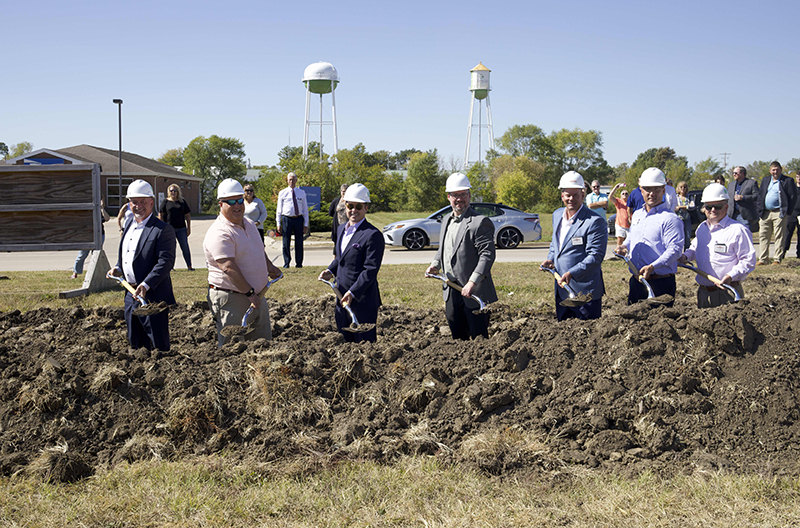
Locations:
128 287
702 273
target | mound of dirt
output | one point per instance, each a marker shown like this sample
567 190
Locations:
645 387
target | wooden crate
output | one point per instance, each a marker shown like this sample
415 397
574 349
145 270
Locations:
50 207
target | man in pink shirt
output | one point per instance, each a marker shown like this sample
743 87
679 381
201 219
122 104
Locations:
238 266
723 248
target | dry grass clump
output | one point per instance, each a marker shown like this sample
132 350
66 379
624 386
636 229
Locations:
195 418
108 377
279 397
146 448
422 440
59 464
505 448
43 393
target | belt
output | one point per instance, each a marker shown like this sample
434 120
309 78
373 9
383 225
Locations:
654 276
710 289
212 287
774 210
290 216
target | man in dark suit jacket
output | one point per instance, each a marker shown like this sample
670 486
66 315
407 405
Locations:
146 257
466 254
577 250
743 199
359 253
776 196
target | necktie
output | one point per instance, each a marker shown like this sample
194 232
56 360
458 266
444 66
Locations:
294 199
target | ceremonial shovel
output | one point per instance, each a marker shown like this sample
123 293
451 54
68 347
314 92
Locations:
719 283
145 309
651 297
483 307
576 299
232 330
355 326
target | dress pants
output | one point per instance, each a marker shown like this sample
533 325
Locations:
663 286
462 322
147 332
292 226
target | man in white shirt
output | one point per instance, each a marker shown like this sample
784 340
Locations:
723 248
291 217
146 257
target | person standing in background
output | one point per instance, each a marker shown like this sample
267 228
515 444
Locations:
597 201
254 209
791 224
176 212
776 196
622 224
743 193
291 216
685 206
339 214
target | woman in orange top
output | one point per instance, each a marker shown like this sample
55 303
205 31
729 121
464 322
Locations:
623 221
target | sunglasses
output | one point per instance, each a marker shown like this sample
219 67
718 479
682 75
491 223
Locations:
248 190
357 206
173 190
715 206
233 201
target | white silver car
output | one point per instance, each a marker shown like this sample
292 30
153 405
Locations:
511 227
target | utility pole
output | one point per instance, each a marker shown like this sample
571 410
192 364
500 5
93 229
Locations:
725 161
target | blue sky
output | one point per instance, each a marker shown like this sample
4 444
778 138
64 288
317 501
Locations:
701 77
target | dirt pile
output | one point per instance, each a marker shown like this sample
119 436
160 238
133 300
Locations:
670 389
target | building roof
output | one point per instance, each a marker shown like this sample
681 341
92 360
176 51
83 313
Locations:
132 164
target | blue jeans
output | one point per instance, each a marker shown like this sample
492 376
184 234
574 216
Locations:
183 242
77 268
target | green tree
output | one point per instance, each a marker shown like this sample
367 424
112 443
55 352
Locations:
20 149
791 167
3 150
479 179
758 170
526 140
399 161
172 157
705 171
524 183
214 159
425 182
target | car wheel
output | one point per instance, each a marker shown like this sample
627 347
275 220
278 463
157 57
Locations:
415 239
508 238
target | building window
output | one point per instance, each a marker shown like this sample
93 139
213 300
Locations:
113 192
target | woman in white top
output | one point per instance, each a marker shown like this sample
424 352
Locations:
254 209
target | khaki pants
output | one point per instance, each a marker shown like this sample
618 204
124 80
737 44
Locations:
771 223
707 299
229 309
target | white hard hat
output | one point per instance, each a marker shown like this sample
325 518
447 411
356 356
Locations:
457 182
652 177
357 193
229 187
715 193
140 189
571 180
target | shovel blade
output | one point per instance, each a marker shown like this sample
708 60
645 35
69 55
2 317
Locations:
358 329
577 301
150 309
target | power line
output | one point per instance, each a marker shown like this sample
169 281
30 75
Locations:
725 160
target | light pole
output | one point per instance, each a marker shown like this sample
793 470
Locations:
118 102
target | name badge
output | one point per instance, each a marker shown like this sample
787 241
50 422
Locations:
577 241
720 248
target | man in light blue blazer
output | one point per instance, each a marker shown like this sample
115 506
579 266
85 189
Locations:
577 250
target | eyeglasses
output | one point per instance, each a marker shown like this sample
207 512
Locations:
652 190
173 190
356 206
718 206
248 190
233 201
459 196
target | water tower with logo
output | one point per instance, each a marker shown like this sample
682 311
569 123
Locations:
320 78
480 88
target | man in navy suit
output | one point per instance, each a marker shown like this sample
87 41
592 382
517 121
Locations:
359 253
577 250
146 257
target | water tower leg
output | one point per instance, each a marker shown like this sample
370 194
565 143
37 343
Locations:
305 128
489 119
469 133
333 112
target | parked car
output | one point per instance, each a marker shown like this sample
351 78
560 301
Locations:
512 227
697 215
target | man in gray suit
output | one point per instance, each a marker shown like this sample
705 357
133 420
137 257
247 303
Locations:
579 244
466 254
742 198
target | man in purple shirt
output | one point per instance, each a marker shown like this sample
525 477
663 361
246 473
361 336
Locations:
723 248
655 241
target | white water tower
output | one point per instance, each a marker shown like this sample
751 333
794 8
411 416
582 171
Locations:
320 78
480 88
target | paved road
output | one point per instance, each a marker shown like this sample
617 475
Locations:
318 252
